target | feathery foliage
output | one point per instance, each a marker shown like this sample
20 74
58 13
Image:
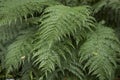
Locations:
59 39
54 26
18 50
98 53
11 10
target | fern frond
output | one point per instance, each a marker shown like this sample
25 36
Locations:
58 22
75 70
106 3
8 33
115 4
98 53
108 10
11 10
68 53
19 50
99 5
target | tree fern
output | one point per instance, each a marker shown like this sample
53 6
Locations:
98 53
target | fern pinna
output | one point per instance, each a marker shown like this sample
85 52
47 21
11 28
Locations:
59 39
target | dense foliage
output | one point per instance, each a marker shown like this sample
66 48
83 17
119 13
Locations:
59 39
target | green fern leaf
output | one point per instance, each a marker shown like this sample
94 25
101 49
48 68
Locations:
98 53
12 10
8 33
114 4
58 22
18 50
